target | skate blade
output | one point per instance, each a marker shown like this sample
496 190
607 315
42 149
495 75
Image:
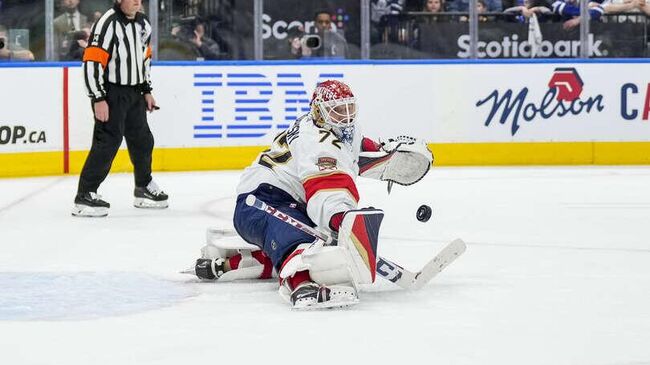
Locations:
85 211
189 271
326 305
150 204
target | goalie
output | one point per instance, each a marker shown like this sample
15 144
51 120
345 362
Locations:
309 173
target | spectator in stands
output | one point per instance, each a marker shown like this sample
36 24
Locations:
332 41
529 7
78 44
569 10
429 7
481 8
297 44
66 24
491 6
637 10
644 7
188 41
380 11
626 6
206 47
432 6
176 45
7 54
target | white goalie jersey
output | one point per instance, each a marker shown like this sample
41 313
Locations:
311 164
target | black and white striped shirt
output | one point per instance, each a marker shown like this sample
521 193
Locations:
119 53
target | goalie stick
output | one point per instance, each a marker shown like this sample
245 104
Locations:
416 280
386 268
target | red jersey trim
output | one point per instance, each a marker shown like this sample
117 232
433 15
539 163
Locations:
334 181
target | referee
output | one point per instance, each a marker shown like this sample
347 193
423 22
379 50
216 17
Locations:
116 68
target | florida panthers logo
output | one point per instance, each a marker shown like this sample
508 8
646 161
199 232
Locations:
326 163
567 82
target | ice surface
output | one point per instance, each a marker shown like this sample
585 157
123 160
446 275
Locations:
83 295
557 271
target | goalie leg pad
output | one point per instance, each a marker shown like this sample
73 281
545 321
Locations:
327 265
248 265
294 263
244 265
359 236
246 261
224 243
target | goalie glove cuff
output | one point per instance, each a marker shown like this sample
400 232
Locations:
368 145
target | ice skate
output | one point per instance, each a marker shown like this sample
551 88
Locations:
150 197
208 269
311 296
90 205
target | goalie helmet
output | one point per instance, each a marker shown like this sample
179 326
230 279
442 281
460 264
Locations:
334 107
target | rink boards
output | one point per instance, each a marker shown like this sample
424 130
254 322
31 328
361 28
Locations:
221 115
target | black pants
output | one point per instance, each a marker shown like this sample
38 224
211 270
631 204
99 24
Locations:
127 118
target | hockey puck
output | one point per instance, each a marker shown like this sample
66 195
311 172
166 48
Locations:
424 213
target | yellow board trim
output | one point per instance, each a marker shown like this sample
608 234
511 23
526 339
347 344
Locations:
31 164
538 153
446 154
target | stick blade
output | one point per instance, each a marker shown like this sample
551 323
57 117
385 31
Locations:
395 273
445 257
